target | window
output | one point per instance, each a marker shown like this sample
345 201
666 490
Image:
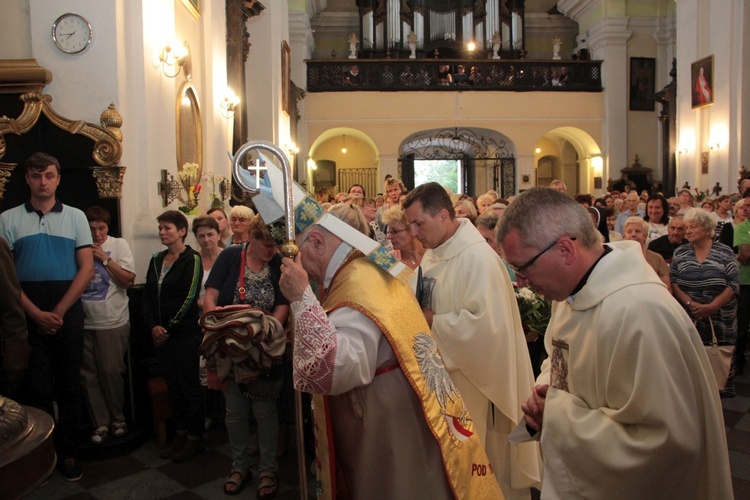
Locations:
447 173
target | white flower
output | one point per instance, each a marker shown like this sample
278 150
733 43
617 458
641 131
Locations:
527 294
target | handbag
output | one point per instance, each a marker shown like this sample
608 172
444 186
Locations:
720 358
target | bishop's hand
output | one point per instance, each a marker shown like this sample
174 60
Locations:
294 279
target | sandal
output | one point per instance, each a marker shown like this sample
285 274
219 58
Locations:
235 481
100 435
119 429
267 485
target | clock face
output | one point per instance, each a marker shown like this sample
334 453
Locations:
71 33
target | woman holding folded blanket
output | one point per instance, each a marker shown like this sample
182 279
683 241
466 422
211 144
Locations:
249 274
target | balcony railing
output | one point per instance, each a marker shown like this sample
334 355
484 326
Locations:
425 74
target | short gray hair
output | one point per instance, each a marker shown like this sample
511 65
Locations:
636 220
701 218
487 220
541 215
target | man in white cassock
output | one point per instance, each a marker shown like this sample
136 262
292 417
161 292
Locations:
626 405
468 301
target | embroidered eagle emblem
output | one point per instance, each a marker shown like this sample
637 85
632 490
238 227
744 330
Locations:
431 365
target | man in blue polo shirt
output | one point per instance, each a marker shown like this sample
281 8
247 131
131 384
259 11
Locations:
51 243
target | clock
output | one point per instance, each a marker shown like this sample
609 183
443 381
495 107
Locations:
71 33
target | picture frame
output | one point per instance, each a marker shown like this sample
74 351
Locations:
704 162
642 83
702 82
194 7
286 77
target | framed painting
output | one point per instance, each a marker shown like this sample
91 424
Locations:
702 81
286 77
194 6
642 83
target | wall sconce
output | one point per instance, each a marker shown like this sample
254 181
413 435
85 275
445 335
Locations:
292 149
175 58
229 104
597 166
682 150
537 149
343 147
311 164
714 146
471 46
170 190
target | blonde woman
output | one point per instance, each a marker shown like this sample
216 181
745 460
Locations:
239 222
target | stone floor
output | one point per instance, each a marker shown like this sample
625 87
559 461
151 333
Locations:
143 475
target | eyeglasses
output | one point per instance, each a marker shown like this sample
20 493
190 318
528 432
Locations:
521 270
394 232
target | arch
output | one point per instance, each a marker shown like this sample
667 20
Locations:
589 168
339 131
360 166
488 157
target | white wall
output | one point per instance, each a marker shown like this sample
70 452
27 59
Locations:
121 66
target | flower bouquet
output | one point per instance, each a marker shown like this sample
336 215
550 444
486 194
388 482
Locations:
535 310
219 188
701 195
190 178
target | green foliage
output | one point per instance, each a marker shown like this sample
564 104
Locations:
444 172
535 310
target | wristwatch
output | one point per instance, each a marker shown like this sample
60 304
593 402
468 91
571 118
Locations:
105 262
687 304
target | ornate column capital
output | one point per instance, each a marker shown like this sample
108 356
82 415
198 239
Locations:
108 181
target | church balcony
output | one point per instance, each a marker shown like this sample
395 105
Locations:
405 74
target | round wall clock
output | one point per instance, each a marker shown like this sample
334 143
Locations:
71 33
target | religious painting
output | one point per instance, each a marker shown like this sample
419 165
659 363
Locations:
286 77
194 6
642 83
704 162
702 82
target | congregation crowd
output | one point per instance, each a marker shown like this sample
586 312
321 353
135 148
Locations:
424 381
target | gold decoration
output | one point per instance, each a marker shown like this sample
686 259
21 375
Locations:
107 148
112 120
109 181
5 170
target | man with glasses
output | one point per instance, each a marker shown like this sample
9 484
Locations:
470 305
627 392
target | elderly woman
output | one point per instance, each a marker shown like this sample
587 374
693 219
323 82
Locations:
657 216
485 201
170 310
106 328
706 282
636 229
249 274
239 221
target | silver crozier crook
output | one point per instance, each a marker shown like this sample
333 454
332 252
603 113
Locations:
288 249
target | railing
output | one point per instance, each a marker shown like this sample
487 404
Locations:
427 74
